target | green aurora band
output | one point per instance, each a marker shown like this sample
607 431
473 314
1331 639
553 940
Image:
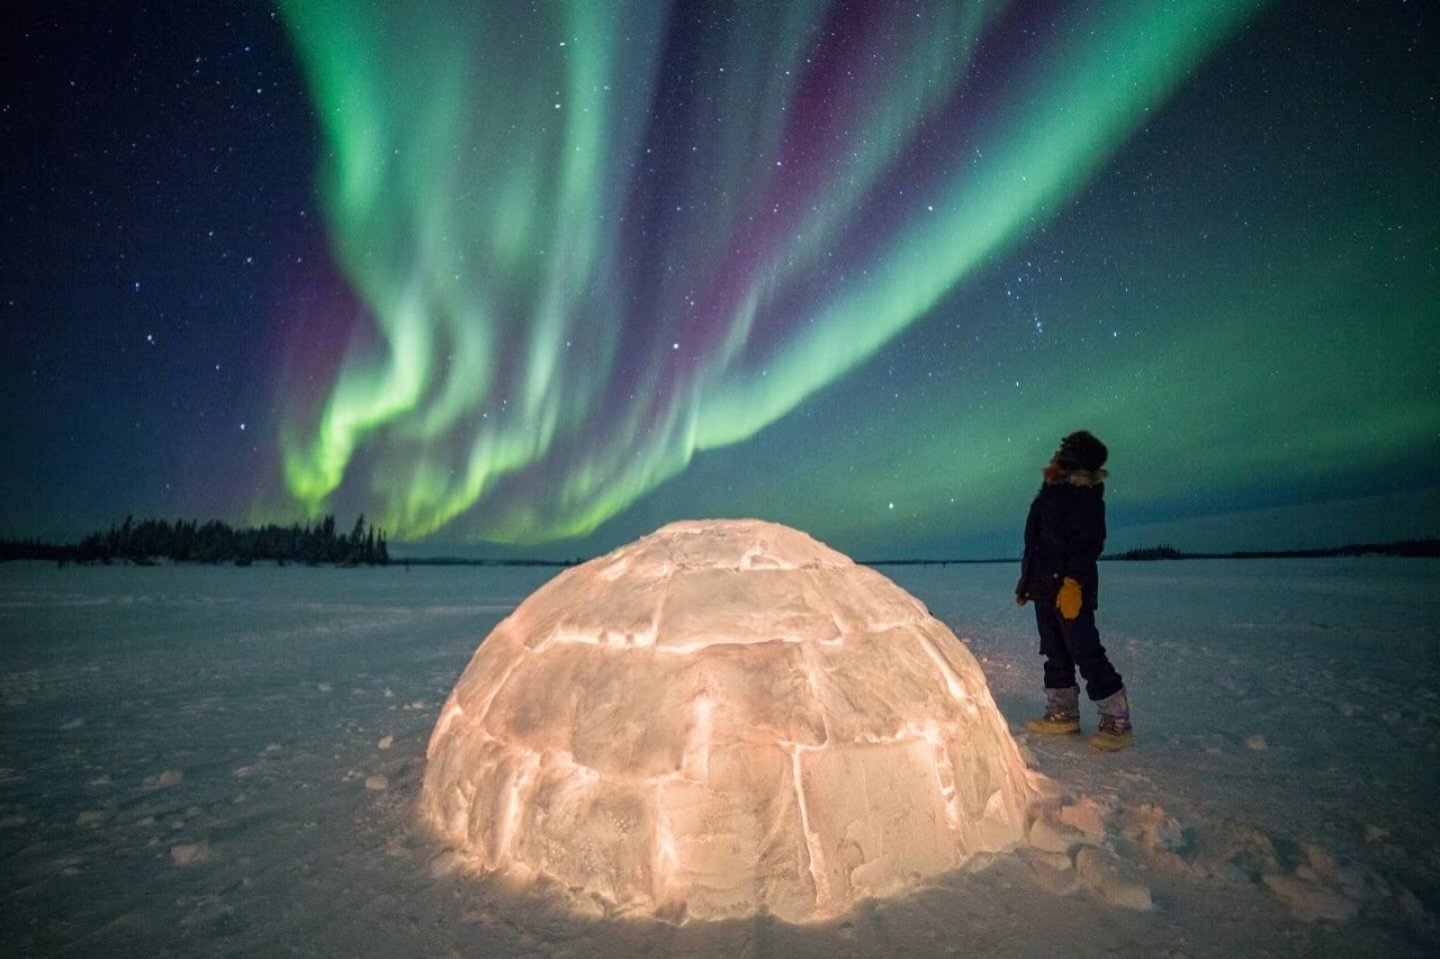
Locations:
485 182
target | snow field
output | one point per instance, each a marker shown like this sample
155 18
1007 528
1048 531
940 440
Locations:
198 760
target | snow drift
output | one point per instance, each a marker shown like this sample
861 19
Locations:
720 718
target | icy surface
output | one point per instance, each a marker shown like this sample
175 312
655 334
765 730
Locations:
184 755
723 718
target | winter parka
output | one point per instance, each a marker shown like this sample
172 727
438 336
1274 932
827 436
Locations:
1064 535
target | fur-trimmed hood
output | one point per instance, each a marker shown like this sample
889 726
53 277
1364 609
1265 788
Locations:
1059 474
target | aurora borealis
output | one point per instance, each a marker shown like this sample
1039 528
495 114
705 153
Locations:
572 269
489 178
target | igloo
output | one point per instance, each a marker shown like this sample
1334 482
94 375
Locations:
721 718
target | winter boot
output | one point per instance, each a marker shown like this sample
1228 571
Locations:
1062 713
1114 734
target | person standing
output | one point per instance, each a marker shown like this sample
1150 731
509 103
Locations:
1064 534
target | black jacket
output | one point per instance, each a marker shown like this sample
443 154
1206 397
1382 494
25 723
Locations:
1064 535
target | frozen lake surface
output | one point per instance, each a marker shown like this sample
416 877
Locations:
199 761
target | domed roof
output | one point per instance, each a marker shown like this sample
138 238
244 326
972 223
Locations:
721 717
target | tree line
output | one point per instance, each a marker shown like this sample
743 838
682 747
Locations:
1427 547
185 541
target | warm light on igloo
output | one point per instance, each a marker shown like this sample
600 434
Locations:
720 718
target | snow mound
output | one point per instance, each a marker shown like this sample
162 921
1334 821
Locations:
721 718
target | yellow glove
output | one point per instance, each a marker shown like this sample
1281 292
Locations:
1068 599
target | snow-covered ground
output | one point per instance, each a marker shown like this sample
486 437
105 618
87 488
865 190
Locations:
226 761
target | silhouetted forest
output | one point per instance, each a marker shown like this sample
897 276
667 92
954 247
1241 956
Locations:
1405 547
1427 547
1149 552
189 542
150 541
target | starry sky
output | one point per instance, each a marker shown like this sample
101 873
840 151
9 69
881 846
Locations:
524 278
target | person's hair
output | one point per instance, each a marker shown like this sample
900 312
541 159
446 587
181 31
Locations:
1082 450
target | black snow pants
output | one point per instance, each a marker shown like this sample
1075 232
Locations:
1066 644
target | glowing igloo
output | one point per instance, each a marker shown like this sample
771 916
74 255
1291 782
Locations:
719 718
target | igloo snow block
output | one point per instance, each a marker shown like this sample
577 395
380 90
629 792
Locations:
721 718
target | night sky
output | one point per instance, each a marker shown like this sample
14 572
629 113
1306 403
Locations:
537 278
